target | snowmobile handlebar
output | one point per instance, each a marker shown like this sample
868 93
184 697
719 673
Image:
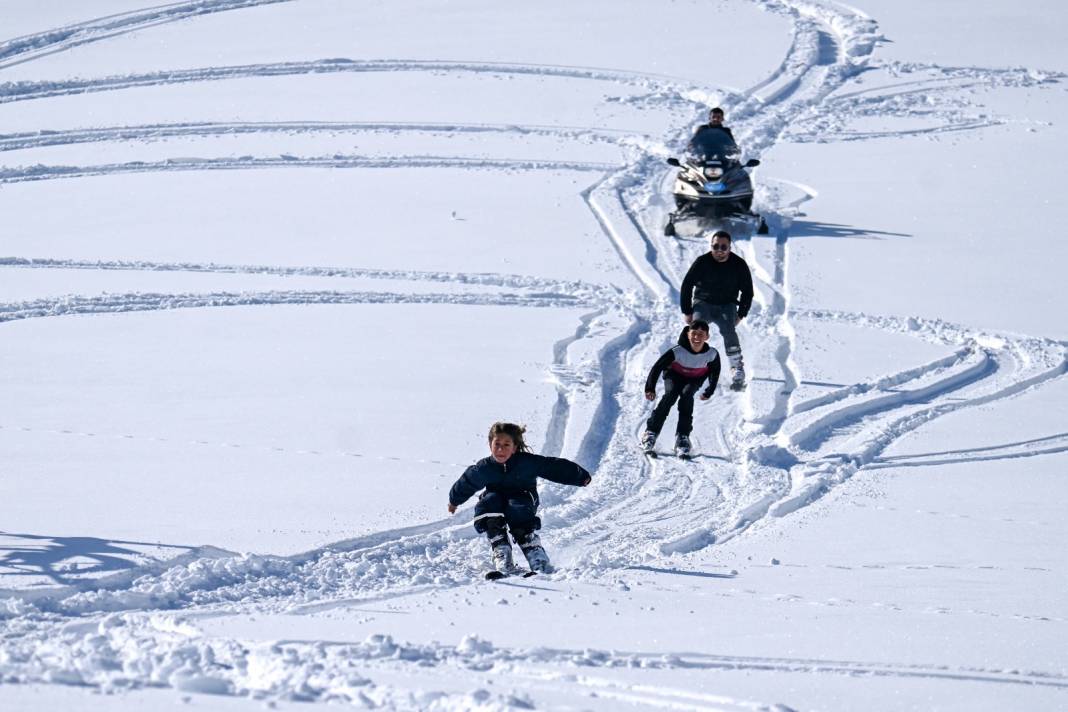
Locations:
751 163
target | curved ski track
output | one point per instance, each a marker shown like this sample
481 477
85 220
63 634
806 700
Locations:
763 454
33 46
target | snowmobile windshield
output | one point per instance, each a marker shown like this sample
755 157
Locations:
712 143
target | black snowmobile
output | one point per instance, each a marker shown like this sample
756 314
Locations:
712 183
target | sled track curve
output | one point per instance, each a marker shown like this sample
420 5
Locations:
40 44
781 466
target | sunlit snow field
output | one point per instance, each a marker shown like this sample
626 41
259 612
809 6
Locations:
270 268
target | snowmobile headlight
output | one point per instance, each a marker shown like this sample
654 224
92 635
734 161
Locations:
713 172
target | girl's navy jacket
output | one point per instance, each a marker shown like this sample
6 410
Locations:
518 475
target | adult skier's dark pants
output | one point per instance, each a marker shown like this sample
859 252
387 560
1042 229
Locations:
723 316
675 389
518 511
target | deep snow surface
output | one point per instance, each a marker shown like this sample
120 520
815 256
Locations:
269 269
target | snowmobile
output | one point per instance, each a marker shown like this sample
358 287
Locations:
712 183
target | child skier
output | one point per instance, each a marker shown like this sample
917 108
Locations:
685 368
509 476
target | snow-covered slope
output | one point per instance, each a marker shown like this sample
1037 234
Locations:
269 269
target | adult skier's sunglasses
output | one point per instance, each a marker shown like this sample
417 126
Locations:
721 247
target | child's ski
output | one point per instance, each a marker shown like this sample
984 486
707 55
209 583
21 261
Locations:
496 575
655 455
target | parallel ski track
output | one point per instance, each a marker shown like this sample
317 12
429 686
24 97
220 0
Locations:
38 139
33 90
147 301
41 172
575 288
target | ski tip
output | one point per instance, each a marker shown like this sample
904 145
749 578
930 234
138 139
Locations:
528 574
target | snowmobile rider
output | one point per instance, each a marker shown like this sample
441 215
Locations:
510 479
718 288
685 366
715 121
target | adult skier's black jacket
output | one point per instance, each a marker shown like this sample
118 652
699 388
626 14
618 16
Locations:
714 282
517 475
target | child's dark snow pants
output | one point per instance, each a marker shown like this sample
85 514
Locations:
683 391
518 511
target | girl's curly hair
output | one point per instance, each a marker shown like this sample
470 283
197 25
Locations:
515 432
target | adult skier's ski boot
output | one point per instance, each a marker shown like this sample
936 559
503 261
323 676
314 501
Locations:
537 559
682 446
647 441
738 377
734 356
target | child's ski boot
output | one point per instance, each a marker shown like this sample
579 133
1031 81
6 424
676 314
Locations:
682 446
502 558
537 559
503 564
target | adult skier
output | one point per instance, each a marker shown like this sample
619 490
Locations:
718 288
685 366
510 500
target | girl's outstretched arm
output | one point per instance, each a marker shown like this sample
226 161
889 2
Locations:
562 471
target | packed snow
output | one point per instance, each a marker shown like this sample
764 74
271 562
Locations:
269 269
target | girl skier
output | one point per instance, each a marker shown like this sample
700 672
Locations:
685 368
510 501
